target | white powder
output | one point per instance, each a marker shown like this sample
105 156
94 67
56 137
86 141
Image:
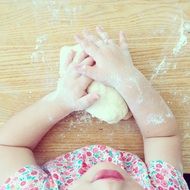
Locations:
140 97
39 54
54 9
187 26
188 124
72 12
30 94
158 32
50 119
169 115
86 118
155 119
161 68
186 136
40 41
80 117
182 39
185 99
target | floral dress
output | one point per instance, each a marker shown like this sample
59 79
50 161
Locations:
64 170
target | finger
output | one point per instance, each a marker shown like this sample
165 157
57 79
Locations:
63 55
84 81
123 41
103 35
83 55
129 115
87 70
89 47
90 36
70 57
99 42
86 101
88 61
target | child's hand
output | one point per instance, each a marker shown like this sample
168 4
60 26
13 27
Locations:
71 89
113 62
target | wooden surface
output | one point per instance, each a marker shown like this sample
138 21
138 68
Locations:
32 33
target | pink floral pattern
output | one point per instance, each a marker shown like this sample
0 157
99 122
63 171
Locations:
64 170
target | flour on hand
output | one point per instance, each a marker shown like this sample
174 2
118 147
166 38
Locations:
110 107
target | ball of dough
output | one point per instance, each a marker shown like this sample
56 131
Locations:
111 107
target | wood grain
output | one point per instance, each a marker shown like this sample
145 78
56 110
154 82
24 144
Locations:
38 29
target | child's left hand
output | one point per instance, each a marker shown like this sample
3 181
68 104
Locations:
71 89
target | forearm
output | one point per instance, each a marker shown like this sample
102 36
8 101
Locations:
150 111
26 128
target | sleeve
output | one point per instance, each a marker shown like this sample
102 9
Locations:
164 176
30 177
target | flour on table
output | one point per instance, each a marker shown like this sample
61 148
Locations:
160 69
182 38
39 54
187 26
111 107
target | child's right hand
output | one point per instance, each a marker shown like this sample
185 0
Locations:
113 62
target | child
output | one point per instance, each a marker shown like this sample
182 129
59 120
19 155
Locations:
95 167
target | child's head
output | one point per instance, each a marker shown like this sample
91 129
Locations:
87 181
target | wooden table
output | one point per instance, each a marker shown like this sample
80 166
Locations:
32 33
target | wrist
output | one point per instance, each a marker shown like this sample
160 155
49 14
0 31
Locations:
126 80
57 107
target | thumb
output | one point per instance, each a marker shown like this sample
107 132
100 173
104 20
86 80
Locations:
86 101
86 70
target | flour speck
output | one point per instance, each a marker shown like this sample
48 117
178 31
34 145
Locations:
155 119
